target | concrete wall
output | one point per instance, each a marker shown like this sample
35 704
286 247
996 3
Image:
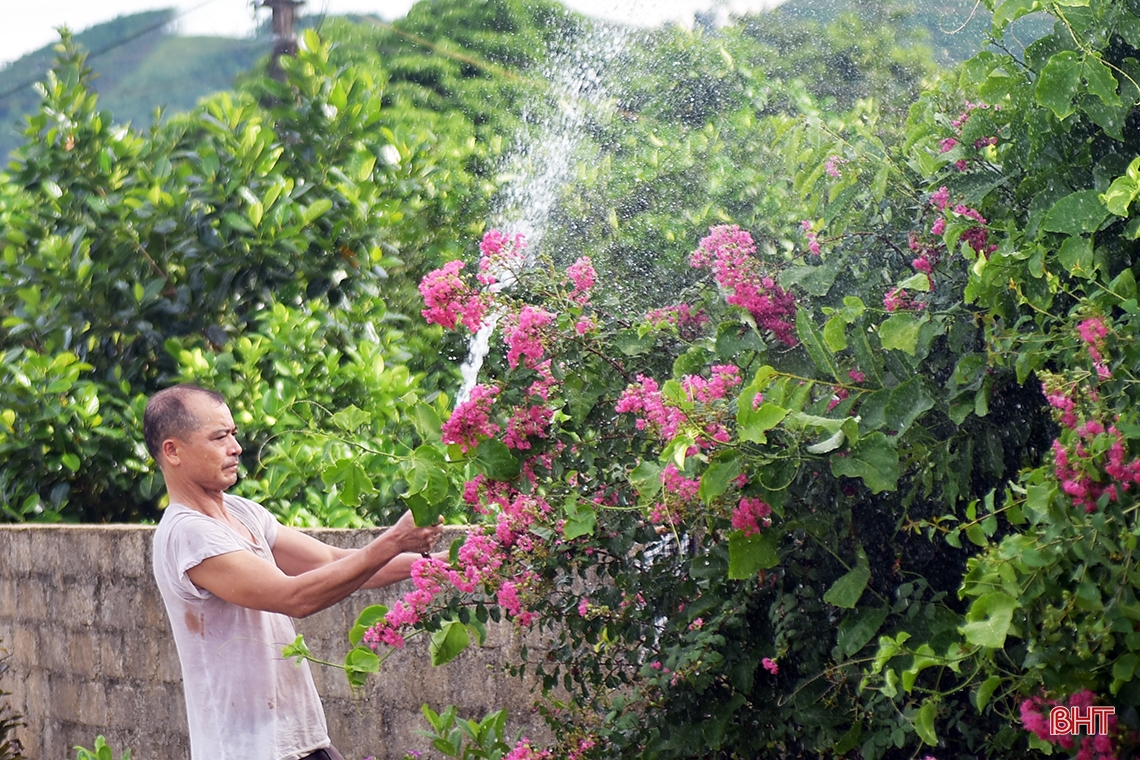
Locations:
91 653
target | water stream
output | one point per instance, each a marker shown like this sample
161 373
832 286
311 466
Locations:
548 152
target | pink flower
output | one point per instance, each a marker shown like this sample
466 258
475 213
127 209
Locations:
523 750
770 665
448 298
523 334
527 422
947 144
922 264
471 420
729 252
750 514
674 482
856 376
583 606
582 274
644 399
941 198
899 300
831 166
938 227
500 252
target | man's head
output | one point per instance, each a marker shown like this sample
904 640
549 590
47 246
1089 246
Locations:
189 431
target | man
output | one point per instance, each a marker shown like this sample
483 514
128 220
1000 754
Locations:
232 578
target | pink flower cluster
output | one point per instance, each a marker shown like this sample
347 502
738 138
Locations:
582 274
1093 332
770 665
525 423
524 750
1079 467
674 482
948 144
581 748
1035 718
832 164
450 300
724 377
500 253
644 399
471 420
523 334
899 299
976 237
750 515
813 239
729 252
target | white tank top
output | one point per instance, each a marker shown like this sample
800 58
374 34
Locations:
243 700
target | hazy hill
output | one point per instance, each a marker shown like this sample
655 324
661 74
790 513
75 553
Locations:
141 66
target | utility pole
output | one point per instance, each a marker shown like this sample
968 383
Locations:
284 35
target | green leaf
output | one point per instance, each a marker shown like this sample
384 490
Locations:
351 419
908 402
859 627
1010 10
985 691
845 592
988 620
1123 190
918 281
748 555
873 459
368 617
816 280
752 424
448 642
351 480
924 723
813 343
426 420
70 461
297 649
1058 82
496 460
646 478
1077 212
316 209
835 333
900 331
716 479
581 519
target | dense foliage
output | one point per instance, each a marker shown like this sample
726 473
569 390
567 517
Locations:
861 495
807 429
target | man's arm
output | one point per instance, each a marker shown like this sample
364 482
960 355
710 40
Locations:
297 553
247 580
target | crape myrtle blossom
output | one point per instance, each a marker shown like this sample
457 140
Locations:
523 333
582 274
450 300
729 252
471 421
502 253
1035 718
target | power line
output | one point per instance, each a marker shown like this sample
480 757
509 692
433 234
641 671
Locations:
119 43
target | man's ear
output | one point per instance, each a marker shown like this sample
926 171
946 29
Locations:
170 452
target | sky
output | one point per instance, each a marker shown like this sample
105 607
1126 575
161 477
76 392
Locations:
27 25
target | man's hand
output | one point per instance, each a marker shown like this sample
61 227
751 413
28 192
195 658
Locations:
410 538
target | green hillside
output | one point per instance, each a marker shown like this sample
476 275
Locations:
140 65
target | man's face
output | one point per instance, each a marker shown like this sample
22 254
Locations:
208 456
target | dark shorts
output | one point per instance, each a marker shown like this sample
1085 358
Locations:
329 753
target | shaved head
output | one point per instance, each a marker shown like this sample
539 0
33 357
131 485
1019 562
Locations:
167 415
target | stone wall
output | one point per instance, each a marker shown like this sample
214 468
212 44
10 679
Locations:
90 652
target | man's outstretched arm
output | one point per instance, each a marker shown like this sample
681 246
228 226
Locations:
247 580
